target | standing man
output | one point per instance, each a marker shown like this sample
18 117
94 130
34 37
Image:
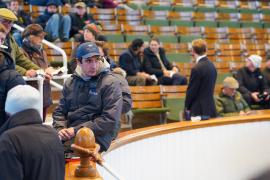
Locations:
91 98
200 92
28 149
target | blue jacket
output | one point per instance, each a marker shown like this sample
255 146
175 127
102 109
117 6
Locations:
9 78
95 103
130 62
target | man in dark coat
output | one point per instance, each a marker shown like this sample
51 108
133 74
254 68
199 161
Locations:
130 61
79 19
252 83
200 93
9 78
156 63
28 149
55 25
91 98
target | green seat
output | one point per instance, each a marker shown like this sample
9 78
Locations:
176 107
188 38
232 24
227 10
156 22
136 6
206 9
183 8
176 22
221 77
249 11
206 23
160 8
252 24
116 38
168 38
265 11
266 25
150 110
179 57
131 37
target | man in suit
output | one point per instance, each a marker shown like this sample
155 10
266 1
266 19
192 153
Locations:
200 92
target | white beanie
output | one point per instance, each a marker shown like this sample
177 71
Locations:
22 97
256 60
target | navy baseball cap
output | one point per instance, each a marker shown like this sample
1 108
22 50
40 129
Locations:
87 50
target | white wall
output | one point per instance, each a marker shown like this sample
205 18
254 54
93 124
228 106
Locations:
230 152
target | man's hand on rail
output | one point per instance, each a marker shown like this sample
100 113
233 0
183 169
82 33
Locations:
49 72
31 73
66 134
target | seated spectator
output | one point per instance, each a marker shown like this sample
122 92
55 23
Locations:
23 65
28 149
56 26
252 83
9 77
266 72
92 98
90 34
32 48
23 20
131 61
230 102
156 63
111 4
79 19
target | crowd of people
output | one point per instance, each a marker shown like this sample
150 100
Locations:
97 93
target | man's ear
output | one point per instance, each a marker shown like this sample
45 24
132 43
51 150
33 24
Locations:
79 60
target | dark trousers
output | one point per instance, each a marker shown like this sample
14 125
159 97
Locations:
176 79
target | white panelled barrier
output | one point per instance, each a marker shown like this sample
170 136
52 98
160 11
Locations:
227 152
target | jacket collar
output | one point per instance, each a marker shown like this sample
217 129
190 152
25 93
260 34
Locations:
200 58
26 117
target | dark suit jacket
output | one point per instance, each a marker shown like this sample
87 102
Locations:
200 92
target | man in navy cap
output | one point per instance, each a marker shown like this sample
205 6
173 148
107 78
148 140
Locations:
91 98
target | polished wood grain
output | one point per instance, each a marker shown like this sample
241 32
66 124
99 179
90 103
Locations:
138 134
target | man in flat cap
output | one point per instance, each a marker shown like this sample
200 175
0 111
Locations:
23 65
230 102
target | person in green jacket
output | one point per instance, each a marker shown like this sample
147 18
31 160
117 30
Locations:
230 102
23 65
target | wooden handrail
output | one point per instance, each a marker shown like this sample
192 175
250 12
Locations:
138 134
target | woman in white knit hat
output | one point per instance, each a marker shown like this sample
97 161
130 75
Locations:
252 84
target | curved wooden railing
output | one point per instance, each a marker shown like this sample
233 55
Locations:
138 134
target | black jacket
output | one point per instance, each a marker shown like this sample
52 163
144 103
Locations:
9 78
250 82
95 103
200 92
151 63
77 23
130 62
23 19
30 150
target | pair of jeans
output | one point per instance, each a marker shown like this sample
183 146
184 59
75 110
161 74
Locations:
58 27
18 37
